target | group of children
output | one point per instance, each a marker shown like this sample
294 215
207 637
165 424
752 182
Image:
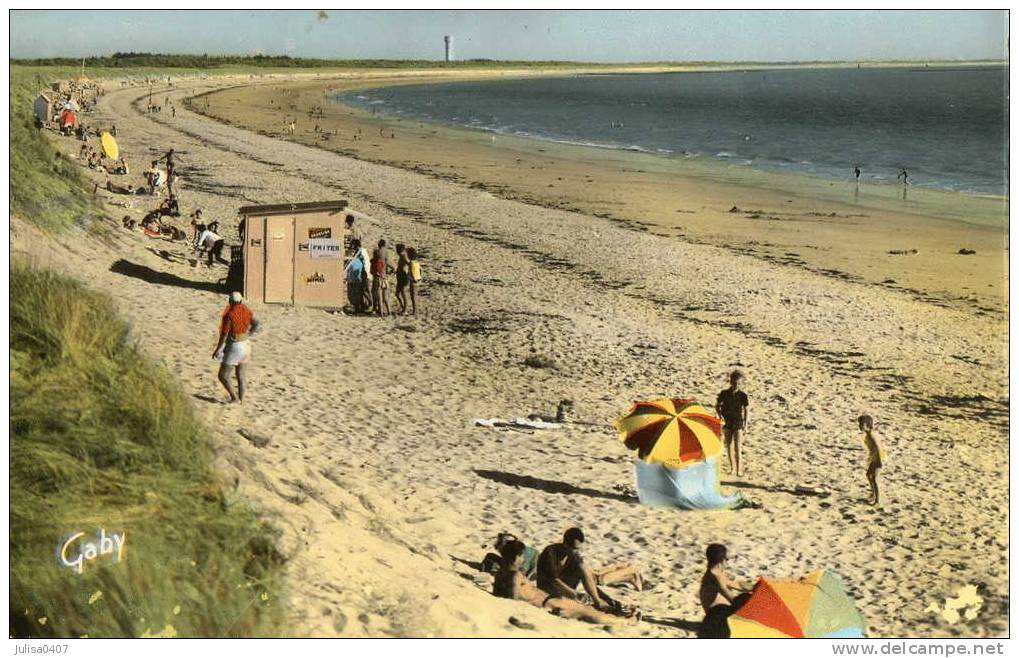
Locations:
367 276
731 406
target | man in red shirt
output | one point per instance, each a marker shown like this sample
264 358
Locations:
234 349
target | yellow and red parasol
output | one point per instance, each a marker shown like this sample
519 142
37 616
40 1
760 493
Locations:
673 432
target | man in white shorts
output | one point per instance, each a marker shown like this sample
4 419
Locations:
234 349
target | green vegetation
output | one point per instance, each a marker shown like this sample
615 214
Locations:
43 186
247 62
101 437
206 62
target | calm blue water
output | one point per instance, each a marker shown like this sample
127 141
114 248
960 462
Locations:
947 127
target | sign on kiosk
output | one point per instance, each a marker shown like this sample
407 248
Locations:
325 248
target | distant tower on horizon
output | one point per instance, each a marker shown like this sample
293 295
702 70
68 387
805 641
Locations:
449 47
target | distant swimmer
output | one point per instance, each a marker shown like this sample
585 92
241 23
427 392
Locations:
856 172
904 175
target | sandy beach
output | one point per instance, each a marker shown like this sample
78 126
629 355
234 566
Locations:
634 278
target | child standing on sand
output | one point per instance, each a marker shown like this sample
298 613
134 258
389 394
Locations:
402 277
415 278
731 405
875 454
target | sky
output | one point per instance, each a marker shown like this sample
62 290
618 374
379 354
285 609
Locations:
572 34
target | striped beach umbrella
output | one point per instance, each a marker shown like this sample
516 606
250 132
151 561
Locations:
671 431
815 606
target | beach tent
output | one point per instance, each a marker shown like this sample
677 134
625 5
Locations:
678 447
815 606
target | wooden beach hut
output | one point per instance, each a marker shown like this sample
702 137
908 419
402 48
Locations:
293 253
46 106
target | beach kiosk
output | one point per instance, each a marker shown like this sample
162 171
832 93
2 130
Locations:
293 253
45 108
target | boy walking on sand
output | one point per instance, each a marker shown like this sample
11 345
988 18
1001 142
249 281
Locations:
875 454
731 406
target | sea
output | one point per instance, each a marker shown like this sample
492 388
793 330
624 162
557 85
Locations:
946 126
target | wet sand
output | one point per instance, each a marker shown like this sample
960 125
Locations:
385 492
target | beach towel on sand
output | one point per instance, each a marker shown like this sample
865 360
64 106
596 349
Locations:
516 423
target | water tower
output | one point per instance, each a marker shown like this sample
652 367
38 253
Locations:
449 48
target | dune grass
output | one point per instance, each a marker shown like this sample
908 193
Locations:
101 437
44 186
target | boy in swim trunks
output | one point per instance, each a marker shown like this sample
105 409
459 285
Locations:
561 570
875 454
731 406
719 596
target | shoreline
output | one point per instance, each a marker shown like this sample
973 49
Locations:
780 216
708 168
713 165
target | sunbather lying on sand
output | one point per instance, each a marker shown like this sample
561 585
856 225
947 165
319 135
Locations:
510 583
119 189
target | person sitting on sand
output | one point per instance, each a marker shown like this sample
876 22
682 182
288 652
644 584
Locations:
151 223
731 405
121 169
719 596
233 349
493 562
511 583
875 454
561 570
170 206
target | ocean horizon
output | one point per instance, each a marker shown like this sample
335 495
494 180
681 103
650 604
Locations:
946 126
